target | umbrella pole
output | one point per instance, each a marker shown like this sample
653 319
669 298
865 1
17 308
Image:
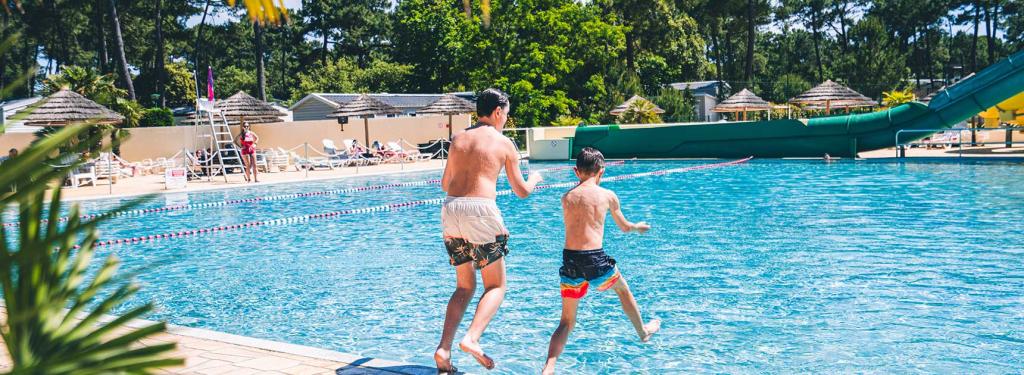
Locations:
449 127
828 107
366 130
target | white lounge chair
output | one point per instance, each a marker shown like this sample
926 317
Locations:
945 140
86 173
278 159
311 163
411 155
359 153
335 157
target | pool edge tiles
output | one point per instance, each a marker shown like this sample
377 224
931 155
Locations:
195 342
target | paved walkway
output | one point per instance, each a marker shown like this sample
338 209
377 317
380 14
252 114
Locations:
211 353
155 183
990 151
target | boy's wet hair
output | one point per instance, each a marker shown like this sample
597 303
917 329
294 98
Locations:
589 160
490 99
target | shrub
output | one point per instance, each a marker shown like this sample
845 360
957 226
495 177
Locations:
153 117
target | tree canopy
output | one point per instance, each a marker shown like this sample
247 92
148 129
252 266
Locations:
558 59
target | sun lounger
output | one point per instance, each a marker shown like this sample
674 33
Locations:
311 163
359 153
944 140
86 173
411 155
278 159
337 158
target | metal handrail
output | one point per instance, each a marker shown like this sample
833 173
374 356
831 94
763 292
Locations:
901 147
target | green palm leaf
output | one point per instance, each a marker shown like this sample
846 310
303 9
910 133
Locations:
54 300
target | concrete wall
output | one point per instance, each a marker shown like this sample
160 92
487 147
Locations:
14 140
149 143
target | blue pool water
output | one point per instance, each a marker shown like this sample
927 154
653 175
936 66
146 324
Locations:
769 266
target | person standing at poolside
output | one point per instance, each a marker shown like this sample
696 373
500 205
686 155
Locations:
247 140
474 231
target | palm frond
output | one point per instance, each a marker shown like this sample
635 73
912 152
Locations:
54 309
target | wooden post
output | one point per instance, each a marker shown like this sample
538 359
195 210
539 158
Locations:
366 130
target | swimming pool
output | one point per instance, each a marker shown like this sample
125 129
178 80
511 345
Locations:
767 266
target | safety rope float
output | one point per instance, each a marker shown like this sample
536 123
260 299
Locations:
386 207
144 211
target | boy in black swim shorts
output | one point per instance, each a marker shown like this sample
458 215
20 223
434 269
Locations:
584 263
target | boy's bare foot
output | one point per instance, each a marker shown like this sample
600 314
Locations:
474 350
651 327
443 358
548 370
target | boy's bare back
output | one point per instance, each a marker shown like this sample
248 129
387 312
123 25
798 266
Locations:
584 209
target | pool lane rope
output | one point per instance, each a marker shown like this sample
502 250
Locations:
385 207
165 209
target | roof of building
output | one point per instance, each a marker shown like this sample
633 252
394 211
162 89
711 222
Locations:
400 101
13 106
698 85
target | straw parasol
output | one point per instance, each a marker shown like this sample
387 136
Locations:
743 101
629 102
364 106
833 95
242 106
449 105
66 107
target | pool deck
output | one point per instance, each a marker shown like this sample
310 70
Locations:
209 353
989 152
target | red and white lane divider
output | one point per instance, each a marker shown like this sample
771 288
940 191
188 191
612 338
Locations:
193 206
381 208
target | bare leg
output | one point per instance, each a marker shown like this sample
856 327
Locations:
633 311
494 294
465 285
561 335
252 164
245 167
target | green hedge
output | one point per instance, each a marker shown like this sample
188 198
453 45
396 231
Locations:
156 117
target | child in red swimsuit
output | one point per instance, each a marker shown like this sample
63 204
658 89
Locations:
247 140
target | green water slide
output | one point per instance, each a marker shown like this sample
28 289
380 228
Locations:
843 135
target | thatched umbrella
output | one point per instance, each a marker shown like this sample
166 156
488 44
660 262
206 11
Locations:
449 105
743 101
365 107
833 95
243 107
66 107
629 102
